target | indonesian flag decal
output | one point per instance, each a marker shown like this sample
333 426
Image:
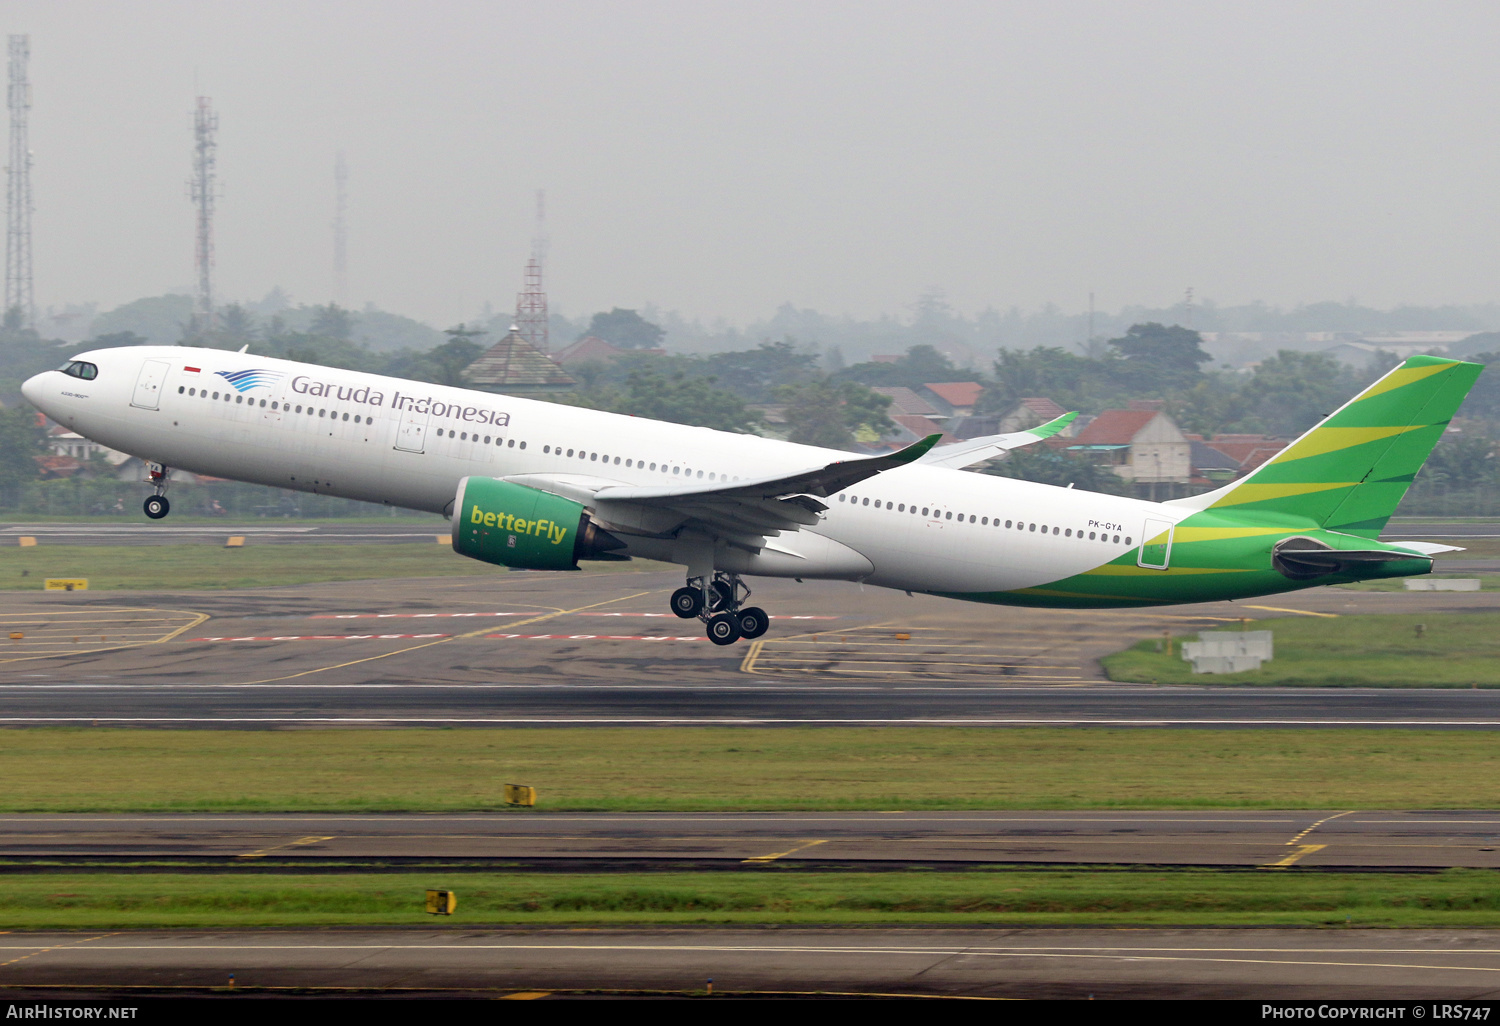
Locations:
192 370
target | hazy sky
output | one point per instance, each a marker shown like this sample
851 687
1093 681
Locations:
723 158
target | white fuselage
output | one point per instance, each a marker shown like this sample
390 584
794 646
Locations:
408 444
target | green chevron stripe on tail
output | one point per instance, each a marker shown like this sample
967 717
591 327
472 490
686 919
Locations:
1349 473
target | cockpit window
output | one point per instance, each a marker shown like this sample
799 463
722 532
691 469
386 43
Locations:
80 369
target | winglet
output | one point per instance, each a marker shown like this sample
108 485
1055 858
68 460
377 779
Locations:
1053 426
915 451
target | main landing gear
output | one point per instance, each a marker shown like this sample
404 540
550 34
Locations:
156 506
720 605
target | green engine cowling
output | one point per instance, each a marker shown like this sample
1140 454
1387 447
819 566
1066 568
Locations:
526 528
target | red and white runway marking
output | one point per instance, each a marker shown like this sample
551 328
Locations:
535 612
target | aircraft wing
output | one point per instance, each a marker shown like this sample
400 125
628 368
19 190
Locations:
975 450
745 512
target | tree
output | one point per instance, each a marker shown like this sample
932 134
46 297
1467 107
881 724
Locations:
755 374
1050 466
1074 381
626 329
828 413
679 399
21 440
1291 391
1160 358
1461 459
332 321
919 365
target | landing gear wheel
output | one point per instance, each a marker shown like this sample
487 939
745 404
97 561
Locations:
723 629
156 506
752 622
686 602
723 596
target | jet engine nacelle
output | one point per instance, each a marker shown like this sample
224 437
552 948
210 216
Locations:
526 528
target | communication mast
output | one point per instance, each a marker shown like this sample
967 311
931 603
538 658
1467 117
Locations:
201 191
20 303
531 302
341 230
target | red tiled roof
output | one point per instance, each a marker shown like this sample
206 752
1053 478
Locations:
955 393
1251 454
922 427
1114 427
58 466
905 401
590 347
1042 407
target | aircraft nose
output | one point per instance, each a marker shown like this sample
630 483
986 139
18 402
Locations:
36 390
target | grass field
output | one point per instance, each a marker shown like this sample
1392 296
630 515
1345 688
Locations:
1450 651
691 768
196 567
1456 898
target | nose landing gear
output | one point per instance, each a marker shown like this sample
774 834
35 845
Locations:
156 506
718 603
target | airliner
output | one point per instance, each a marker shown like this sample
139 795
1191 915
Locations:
540 486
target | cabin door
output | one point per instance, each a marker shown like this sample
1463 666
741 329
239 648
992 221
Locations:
412 435
1156 544
148 385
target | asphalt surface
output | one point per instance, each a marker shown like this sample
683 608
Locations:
1261 964
135 530
599 648
854 840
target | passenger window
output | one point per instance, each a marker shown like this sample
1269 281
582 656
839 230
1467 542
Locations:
570 452
346 416
653 466
865 502
486 439
263 404
1127 539
594 457
676 470
181 389
238 399
924 511
322 413
216 395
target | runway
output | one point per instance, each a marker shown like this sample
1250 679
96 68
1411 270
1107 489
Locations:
599 648
1331 839
1263 964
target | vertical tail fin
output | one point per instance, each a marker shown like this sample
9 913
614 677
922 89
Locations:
1350 472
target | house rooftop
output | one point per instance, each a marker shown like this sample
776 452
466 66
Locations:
1115 427
905 401
955 393
513 363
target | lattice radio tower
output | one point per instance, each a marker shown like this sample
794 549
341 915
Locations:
531 302
20 303
201 188
340 230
